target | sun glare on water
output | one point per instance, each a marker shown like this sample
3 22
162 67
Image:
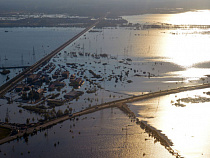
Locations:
187 49
187 126
188 46
199 17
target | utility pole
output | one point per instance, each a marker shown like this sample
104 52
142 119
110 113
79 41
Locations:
7 118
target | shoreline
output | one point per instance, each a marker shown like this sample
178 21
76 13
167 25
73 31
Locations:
151 131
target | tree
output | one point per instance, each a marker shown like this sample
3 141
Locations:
46 116
66 112
70 110
31 95
27 121
24 96
36 96
6 120
59 113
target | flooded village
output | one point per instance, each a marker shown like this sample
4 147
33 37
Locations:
98 68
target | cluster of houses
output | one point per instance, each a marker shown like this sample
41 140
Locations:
74 54
76 82
95 55
59 77
31 88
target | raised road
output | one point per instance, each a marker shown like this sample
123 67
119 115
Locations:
118 103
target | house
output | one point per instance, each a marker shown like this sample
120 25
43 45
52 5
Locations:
55 85
59 84
65 74
60 79
27 88
55 76
45 78
72 78
37 82
51 87
73 94
39 93
32 77
20 88
77 82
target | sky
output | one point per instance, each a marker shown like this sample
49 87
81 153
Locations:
88 6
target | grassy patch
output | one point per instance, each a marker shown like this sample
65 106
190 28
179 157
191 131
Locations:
4 132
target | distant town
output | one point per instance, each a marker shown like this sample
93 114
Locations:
54 20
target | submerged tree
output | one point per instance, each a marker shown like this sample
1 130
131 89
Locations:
59 113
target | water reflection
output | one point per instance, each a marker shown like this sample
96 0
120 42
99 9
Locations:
192 74
109 133
186 50
184 47
199 17
187 126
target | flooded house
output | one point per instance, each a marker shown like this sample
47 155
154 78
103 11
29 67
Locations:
56 84
65 74
76 82
20 87
39 93
32 78
72 77
73 94
37 82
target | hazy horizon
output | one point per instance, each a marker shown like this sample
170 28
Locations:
90 7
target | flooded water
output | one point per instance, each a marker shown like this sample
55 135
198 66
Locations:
107 133
185 122
25 46
149 60
183 117
196 17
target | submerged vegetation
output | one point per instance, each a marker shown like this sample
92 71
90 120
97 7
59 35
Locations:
4 132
